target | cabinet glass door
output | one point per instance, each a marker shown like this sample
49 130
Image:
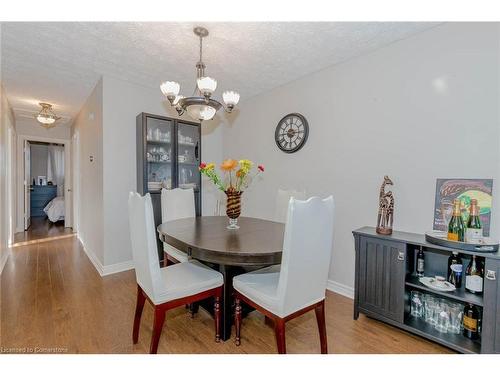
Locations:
159 153
188 154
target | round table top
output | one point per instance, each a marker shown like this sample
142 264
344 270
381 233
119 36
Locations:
256 242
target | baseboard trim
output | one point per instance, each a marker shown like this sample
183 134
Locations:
117 267
3 261
92 257
109 269
339 288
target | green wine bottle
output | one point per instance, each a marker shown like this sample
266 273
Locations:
474 232
456 227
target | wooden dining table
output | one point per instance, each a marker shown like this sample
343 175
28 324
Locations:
256 244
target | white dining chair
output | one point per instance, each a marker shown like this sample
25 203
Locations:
299 285
282 200
176 204
168 287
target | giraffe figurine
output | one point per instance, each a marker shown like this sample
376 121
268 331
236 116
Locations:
386 208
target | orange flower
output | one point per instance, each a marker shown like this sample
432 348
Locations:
239 173
228 165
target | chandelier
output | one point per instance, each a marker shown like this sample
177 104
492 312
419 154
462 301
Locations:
200 106
46 117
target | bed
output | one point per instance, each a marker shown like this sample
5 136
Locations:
55 209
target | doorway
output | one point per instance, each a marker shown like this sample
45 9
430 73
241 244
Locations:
44 189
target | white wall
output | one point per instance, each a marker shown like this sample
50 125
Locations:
422 108
7 124
88 126
30 127
122 102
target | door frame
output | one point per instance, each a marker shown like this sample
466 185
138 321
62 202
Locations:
11 183
26 181
68 200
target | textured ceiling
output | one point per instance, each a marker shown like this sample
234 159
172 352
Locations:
61 62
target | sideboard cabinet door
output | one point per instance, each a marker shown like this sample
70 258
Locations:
490 340
382 277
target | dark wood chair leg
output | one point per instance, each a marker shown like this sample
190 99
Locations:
279 331
138 313
237 321
157 327
320 318
167 262
193 308
217 315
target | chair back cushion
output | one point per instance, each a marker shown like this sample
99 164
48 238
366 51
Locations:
282 201
144 248
307 250
177 204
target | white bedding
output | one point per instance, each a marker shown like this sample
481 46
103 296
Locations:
55 209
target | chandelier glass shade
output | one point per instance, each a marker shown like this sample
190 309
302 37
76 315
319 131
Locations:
46 117
200 106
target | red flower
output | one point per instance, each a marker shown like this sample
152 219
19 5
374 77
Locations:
261 168
202 166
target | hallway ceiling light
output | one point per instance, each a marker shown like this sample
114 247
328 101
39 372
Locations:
200 106
46 117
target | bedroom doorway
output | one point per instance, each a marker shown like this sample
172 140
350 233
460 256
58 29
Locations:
44 189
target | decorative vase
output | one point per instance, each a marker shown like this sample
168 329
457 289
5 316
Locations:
233 207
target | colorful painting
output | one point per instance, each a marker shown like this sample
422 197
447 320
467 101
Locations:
464 189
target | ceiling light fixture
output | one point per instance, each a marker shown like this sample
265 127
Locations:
200 106
46 117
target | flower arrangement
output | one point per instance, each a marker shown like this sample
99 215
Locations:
237 177
237 174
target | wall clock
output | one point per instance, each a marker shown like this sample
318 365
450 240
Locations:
291 133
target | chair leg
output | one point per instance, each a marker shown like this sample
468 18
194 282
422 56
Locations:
279 331
217 315
157 327
167 262
320 318
237 321
138 313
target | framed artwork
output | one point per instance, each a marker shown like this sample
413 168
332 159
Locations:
464 189
42 180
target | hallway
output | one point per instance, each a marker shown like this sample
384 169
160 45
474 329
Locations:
41 228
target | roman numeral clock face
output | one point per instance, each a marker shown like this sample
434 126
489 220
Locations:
291 133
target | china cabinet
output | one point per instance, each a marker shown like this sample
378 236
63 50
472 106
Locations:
168 156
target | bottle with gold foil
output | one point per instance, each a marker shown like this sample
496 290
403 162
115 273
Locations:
471 321
456 227
474 231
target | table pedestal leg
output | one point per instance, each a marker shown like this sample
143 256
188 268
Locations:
227 302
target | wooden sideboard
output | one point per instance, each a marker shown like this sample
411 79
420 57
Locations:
385 276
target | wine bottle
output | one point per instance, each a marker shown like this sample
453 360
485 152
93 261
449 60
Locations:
471 321
455 269
420 263
474 276
456 227
474 231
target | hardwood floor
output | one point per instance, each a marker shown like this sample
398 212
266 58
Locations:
41 228
53 300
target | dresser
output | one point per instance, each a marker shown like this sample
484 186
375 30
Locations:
40 197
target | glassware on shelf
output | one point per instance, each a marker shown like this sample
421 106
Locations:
443 318
417 307
456 315
431 309
157 134
183 176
